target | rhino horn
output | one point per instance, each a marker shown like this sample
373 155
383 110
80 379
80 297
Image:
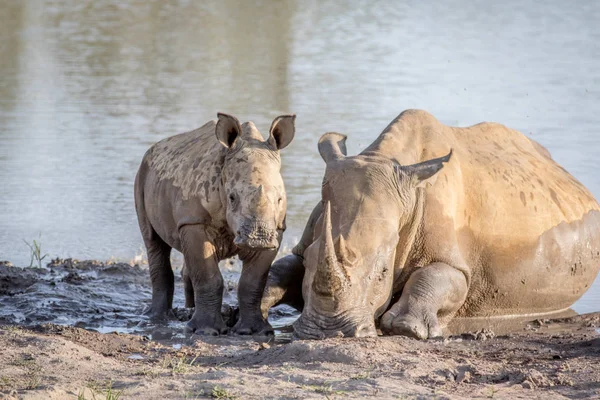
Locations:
261 198
345 254
330 276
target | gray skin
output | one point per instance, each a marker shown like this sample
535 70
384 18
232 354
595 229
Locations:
410 240
213 193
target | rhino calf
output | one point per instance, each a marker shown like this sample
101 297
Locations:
213 193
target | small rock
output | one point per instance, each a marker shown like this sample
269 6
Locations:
264 346
538 379
436 378
563 380
449 375
463 376
482 334
527 385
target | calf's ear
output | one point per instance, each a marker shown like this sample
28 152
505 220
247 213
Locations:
422 173
332 146
228 129
282 131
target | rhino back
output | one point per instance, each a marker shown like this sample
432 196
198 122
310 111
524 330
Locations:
182 182
189 160
527 231
528 228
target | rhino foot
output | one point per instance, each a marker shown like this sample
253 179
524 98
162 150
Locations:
253 327
206 326
426 327
159 315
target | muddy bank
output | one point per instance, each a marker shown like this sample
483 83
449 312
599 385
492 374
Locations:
105 297
51 361
543 358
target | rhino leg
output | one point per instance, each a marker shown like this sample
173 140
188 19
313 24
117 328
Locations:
284 284
250 291
202 268
161 277
434 291
188 288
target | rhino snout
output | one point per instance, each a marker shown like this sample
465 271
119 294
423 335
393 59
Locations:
366 330
317 327
257 236
361 331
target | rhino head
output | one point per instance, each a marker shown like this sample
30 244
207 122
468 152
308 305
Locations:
253 191
350 266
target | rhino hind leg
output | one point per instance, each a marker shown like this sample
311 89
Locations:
161 277
432 292
202 270
188 287
284 284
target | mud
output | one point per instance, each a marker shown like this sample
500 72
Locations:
45 353
106 297
57 362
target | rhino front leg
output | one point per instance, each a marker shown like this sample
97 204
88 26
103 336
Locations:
432 292
284 284
202 268
250 291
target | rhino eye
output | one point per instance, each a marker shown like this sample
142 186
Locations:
231 197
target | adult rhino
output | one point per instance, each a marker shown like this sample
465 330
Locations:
432 222
213 193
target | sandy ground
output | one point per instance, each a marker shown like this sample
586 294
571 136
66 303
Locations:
550 359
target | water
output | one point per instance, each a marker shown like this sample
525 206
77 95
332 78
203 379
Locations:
86 87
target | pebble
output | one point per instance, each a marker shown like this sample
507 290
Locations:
463 376
264 346
527 385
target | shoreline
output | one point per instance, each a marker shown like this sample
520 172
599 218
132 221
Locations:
540 358
554 360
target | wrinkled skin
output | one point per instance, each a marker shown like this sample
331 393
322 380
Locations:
213 193
430 223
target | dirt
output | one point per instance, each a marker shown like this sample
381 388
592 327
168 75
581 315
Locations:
544 358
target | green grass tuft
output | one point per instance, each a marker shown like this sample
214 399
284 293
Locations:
36 252
221 393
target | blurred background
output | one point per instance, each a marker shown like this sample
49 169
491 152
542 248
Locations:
87 86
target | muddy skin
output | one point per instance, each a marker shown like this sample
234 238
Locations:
213 193
432 223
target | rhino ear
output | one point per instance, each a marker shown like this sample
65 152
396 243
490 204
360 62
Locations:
422 172
282 131
332 146
228 129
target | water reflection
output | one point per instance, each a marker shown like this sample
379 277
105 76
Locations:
86 87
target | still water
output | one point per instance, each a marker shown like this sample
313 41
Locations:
86 87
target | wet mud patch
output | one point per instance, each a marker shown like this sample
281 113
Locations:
106 297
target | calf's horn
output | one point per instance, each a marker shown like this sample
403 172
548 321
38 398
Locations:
261 198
